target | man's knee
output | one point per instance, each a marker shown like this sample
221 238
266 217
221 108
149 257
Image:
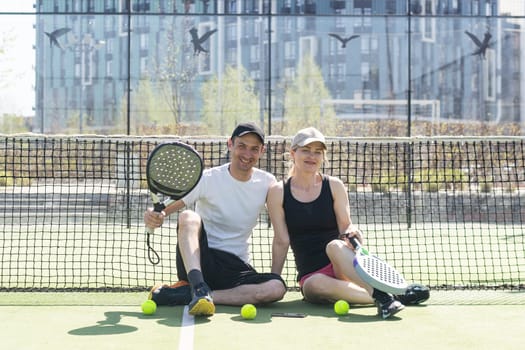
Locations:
188 221
274 290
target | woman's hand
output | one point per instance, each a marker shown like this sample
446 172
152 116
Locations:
351 231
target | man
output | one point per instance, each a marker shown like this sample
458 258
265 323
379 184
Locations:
213 258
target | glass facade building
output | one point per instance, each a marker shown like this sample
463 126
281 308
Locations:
350 67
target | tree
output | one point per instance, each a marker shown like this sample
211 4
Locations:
302 101
12 124
229 100
174 73
148 111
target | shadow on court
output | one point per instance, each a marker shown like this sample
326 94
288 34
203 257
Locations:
357 313
115 322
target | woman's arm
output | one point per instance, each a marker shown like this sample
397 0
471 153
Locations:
281 240
342 209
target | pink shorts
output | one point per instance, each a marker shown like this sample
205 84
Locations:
328 270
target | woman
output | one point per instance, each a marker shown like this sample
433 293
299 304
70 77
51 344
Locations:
310 211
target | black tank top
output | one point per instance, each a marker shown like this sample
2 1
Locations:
310 227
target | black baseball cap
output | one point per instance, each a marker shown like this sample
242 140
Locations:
247 128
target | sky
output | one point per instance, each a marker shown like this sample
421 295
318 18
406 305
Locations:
514 7
17 62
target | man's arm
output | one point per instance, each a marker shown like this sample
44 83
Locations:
154 219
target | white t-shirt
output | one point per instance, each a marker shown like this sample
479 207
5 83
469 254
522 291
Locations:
230 208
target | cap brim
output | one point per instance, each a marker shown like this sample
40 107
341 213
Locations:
311 140
252 132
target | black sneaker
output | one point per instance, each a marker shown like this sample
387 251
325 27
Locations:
414 295
176 294
389 308
202 302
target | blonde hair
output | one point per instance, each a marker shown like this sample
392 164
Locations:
291 164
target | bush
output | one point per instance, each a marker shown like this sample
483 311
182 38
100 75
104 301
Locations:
7 179
433 180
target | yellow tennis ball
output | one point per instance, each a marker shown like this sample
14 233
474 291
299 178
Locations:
149 307
248 311
341 307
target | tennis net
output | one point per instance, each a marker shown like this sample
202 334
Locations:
447 212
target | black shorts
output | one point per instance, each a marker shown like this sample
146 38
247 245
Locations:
223 270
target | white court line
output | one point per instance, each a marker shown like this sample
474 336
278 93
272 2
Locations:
187 328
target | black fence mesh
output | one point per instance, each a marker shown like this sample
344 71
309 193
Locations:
449 213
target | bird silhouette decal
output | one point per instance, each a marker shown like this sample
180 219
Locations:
343 40
54 35
482 45
198 41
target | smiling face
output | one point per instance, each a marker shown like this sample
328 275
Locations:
308 158
245 152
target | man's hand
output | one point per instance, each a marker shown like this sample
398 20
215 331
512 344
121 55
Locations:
153 219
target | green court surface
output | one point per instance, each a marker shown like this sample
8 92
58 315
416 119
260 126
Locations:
449 320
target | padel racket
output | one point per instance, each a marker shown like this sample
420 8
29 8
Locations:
376 272
173 170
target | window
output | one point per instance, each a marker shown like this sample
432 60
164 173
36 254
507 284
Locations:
332 70
289 73
255 75
489 75
109 69
123 20
308 46
428 24
332 47
341 72
475 7
91 6
143 41
232 6
288 25
289 50
365 71
231 59
255 53
488 8
144 65
374 44
365 46
231 31
87 66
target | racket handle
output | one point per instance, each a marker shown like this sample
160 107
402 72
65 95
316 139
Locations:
158 207
354 242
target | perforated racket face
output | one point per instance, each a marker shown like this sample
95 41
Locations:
380 274
173 169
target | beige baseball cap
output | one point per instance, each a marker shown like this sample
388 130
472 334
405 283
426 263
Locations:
307 136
